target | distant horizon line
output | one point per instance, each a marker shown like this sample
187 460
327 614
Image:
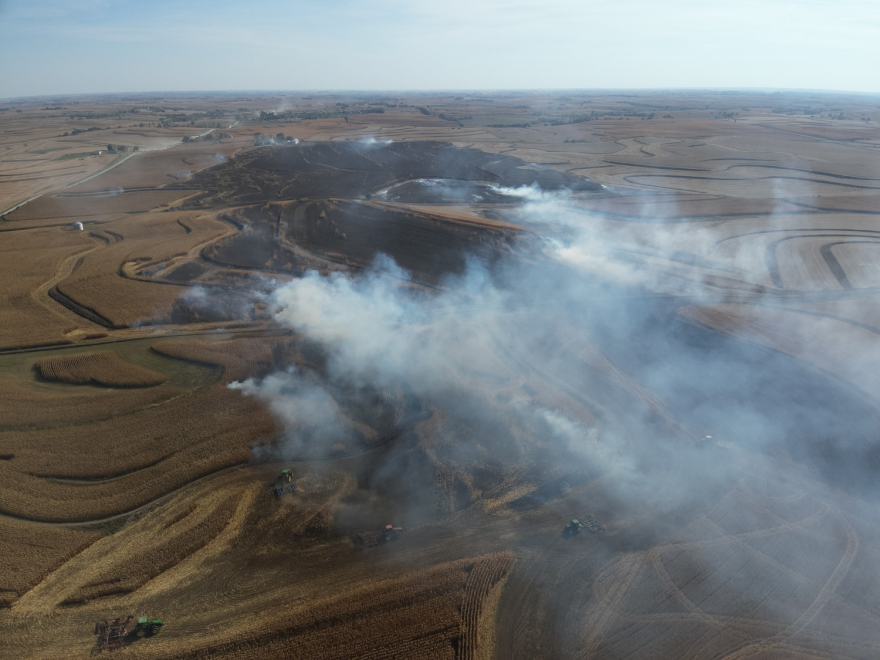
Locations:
531 90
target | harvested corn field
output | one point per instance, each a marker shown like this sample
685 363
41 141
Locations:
47 549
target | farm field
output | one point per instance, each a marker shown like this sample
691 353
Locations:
475 317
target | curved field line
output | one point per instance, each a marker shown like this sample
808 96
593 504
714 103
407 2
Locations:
782 568
717 243
795 169
864 326
80 310
682 598
612 601
819 138
629 179
764 647
658 167
117 516
780 640
114 164
772 262
745 179
834 265
745 622
837 576
41 293
250 329
786 527
831 209
128 269
760 501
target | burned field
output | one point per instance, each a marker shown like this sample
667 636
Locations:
318 205
433 388
360 168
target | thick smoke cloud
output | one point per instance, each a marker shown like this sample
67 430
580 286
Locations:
616 287
377 333
565 377
595 316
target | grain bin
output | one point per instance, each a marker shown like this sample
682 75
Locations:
77 226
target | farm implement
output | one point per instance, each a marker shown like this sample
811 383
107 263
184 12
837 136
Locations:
587 522
114 633
284 483
373 539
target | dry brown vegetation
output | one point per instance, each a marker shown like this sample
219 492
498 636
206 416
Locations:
164 448
239 358
106 282
155 500
104 368
30 259
28 405
430 614
31 552
177 539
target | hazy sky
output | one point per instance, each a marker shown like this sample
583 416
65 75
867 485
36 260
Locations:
71 46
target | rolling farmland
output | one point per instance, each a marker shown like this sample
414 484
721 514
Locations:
476 319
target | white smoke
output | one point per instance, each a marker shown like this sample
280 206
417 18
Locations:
371 141
378 332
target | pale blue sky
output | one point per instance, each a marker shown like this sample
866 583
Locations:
82 46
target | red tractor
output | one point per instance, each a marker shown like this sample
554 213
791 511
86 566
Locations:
392 533
373 539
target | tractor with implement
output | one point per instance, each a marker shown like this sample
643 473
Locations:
587 522
365 540
373 539
573 527
111 633
147 627
284 483
114 633
392 532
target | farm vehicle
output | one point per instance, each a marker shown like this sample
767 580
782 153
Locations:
114 633
284 483
576 525
373 539
147 627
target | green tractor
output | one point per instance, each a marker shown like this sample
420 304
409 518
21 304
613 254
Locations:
284 483
574 527
147 627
